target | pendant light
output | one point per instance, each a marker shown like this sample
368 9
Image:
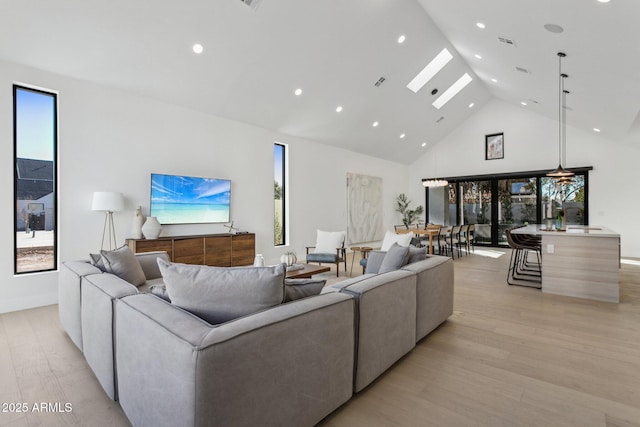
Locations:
561 172
435 183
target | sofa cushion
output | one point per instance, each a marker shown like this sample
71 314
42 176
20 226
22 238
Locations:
328 241
123 263
218 294
390 238
395 258
301 288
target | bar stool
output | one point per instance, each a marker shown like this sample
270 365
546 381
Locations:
523 271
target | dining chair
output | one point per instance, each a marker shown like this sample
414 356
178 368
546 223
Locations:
471 237
452 241
443 235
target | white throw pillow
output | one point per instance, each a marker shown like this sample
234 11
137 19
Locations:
328 241
390 238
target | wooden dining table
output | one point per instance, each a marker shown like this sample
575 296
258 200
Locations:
432 231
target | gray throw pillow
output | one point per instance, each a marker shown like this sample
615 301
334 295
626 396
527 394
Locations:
395 258
301 288
124 264
218 294
416 254
374 261
96 261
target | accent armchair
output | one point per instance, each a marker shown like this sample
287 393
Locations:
329 249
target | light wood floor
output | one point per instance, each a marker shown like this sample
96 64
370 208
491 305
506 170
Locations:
509 356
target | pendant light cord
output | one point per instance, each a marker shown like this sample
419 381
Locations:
560 55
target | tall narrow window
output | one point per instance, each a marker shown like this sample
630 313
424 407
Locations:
35 198
279 194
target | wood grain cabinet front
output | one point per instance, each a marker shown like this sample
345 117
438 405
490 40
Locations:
220 250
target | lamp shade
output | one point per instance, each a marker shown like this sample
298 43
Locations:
107 201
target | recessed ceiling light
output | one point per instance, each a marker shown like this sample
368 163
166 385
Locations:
524 103
375 124
198 48
554 28
402 135
604 1
430 70
424 144
494 80
478 56
596 130
481 25
338 108
453 90
471 105
401 39
298 92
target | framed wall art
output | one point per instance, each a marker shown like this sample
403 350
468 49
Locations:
494 146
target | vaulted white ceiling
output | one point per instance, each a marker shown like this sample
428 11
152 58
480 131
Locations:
336 51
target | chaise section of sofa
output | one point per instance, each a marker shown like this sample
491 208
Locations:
386 322
290 365
85 307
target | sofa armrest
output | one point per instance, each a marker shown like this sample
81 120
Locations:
148 262
434 292
69 285
288 365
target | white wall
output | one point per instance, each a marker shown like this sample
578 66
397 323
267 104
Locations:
111 140
531 143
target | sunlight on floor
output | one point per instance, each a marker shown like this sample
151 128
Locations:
630 261
491 253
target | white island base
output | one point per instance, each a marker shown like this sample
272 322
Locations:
583 261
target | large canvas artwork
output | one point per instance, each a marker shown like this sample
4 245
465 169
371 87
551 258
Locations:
364 194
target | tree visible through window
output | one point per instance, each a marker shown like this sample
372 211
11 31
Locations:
35 200
279 167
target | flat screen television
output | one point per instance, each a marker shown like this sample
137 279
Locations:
190 200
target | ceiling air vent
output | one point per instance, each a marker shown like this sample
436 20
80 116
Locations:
253 4
379 82
507 41
523 70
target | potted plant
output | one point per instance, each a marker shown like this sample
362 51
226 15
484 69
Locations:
409 216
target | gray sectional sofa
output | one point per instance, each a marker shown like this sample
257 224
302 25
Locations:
292 364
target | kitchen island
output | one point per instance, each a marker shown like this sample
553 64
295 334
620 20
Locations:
583 261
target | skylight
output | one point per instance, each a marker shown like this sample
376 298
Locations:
453 90
430 70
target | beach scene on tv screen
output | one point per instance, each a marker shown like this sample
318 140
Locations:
189 200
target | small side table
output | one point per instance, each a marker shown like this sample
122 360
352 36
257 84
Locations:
364 252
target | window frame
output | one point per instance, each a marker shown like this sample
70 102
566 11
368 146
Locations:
55 225
284 196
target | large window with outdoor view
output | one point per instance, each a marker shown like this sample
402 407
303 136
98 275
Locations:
279 194
495 203
35 198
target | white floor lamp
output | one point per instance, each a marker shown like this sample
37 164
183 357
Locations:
108 202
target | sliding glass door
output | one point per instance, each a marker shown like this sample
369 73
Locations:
476 208
517 204
498 202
